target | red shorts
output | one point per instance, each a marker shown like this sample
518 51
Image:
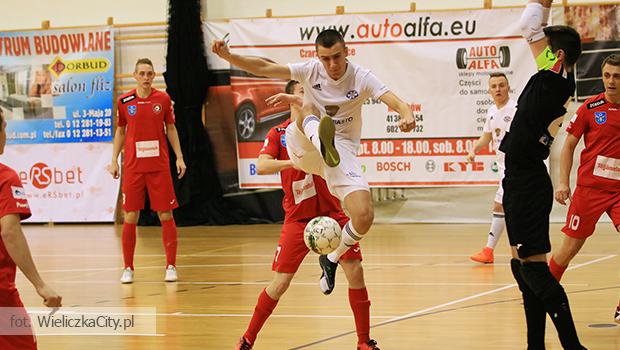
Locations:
159 186
292 250
586 208
26 339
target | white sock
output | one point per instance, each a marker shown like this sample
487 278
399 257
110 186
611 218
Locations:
349 237
497 228
311 130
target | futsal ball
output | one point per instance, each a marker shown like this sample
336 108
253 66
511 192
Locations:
322 235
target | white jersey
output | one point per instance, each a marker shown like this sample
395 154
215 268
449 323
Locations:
498 122
341 99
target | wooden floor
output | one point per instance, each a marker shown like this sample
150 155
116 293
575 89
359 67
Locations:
425 292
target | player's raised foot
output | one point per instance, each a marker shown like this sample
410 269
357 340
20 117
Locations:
243 344
328 277
127 276
617 314
485 256
369 345
327 133
171 274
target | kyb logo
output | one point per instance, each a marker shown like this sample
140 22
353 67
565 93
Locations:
483 57
459 167
41 176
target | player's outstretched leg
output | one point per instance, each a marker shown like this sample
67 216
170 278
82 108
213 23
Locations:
327 133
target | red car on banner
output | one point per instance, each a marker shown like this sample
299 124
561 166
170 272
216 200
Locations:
249 93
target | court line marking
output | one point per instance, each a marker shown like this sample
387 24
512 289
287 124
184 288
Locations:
259 255
101 334
433 308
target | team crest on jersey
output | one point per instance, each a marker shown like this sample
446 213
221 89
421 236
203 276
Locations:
600 117
157 108
18 192
283 140
352 95
507 118
331 110
131 110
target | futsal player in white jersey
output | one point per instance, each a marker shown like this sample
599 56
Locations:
498 122
336 89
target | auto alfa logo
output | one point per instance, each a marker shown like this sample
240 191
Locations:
600 117
430 165
157 108
352 95
131 110
483 57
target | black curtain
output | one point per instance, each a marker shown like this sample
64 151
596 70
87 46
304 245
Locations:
199 192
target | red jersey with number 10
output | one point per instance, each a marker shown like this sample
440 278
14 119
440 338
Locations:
305 195
598 121
146 148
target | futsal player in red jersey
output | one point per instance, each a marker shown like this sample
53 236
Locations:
142 115
14 252
305 196
598 177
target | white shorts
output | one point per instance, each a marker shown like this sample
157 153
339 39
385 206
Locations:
499 195
341 180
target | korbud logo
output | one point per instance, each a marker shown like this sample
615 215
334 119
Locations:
483 57
41 176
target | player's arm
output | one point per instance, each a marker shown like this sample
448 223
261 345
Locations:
17 247
254 65
268 165
562 193
406 123
482 142
533 19
119 141
173 137
284 99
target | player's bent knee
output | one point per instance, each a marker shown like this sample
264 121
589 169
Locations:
540 280
131 217
165 215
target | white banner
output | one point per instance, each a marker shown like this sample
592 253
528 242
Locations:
437 62
66 182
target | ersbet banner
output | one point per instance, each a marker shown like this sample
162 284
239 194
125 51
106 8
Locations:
65 182
437 62
56 86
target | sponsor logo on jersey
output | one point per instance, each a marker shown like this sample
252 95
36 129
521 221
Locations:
280 129
352 95
157 108
343 121
18 192
331 110
352 174
596 103
317 87
131 110
600 117
128 98
283 140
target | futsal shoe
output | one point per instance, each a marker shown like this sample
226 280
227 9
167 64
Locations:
617 314
327 133
127 276
485 256
328 277
370 345
171 274
244 344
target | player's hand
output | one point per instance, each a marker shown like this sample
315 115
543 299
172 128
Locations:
112 168
181 167
50 297
471 156
283 99
406 124
220 48
562 193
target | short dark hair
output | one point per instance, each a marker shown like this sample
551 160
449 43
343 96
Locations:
564 38
143 61
329 38
290 86
612 60
497 75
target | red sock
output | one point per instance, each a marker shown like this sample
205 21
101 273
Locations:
556 270
358 299
169 234
262 311
128 240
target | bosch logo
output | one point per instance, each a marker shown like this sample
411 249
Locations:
41 176
483 57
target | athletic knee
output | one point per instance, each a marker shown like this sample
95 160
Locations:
277 288
165 215
354 272
131 217
363 219
541 281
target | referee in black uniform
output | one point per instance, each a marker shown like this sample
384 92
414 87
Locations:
528 192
